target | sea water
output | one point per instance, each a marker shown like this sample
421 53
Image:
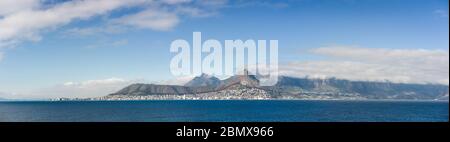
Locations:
224 111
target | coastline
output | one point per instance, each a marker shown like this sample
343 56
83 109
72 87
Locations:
337 100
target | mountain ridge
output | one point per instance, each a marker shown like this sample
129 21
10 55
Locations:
294 88
204 80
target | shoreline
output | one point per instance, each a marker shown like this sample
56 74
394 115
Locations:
336 100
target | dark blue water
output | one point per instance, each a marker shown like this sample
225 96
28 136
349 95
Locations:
228 111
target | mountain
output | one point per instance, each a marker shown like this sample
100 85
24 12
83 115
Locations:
246 80
443 97
366 89
140 89
204 80
200 84
240 86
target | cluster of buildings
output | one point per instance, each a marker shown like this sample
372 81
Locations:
229 94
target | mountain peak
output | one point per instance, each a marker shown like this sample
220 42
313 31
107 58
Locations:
204 75
203 80
245 72
245 80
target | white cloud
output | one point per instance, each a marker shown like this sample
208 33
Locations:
90 83
259 3
4 95
108 43
382 54
375 64
194 12
11 6
89 88
26 19
176 1
150 19
165 15
26 24
91 31
177 81
85 89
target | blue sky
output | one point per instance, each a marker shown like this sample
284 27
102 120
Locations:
116 45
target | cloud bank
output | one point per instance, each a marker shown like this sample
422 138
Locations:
25 20
88 88
374 64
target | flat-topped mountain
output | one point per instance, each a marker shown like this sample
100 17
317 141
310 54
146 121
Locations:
366 89
291 88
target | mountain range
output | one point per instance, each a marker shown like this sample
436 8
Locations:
240 86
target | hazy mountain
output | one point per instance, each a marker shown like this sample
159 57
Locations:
204 80
300 88
367 89
153 89
443 97
246 79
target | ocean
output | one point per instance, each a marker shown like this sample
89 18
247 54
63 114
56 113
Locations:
224 111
